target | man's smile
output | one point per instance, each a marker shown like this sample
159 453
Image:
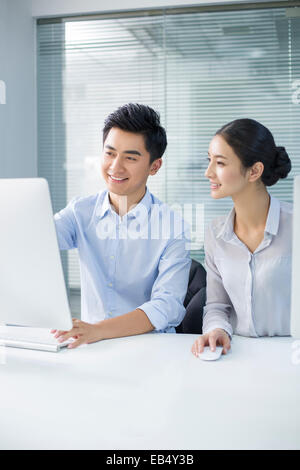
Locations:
116 179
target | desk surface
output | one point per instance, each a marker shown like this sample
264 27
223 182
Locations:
150 392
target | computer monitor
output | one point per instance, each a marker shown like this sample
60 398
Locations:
32 286
295 305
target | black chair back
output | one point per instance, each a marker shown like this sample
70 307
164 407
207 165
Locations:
194 300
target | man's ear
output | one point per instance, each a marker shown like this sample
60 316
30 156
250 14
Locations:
155 166
256 171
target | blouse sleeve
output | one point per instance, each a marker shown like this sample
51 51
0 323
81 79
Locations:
218 306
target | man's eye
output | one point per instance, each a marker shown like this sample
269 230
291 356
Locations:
131 158
220 163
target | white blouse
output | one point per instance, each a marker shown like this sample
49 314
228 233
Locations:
249 294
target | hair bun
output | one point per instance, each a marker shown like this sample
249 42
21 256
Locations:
282 163
280 167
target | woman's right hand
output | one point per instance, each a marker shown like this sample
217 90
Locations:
216 337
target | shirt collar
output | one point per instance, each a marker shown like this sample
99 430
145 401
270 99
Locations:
226 232
104 206
146 202
273 216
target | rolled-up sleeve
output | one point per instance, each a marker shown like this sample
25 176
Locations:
65 225
165 308
218 306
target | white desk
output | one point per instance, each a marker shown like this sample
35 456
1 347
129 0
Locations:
150 392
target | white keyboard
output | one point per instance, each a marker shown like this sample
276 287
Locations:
30 338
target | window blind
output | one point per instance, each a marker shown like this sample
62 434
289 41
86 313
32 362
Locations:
199 69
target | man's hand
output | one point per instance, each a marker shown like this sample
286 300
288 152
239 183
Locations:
213 338
82 333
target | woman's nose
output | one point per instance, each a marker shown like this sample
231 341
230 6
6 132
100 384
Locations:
208 172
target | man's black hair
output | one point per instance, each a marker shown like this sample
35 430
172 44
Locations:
139 119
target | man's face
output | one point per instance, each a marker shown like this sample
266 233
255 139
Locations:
125 164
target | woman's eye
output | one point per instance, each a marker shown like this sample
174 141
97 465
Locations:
220 163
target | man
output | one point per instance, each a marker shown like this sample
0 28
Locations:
133 249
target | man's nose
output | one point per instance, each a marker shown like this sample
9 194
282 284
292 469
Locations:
117 164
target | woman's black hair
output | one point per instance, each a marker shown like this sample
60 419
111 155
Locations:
139 119
252 142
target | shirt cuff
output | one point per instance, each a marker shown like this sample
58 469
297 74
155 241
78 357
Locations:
159 320
222 325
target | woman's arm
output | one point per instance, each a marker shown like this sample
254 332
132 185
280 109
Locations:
217 329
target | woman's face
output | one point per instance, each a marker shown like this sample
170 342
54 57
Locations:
224 171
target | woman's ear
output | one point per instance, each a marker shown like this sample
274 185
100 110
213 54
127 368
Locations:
155 166
256 171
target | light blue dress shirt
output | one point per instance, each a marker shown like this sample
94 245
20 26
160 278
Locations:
249 294
140 260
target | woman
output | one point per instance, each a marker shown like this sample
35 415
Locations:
247 252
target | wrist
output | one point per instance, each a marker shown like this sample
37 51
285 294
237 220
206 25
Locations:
99 331
226 333
220 331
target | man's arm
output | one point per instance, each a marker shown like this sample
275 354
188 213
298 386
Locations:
65 227
164 309
129 324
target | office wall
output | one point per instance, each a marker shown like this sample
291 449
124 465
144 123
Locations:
17 70
43 8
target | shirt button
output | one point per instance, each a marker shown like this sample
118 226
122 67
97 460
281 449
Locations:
112 257
110 284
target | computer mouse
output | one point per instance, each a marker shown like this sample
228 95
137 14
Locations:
209 355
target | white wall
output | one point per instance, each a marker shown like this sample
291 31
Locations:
43 8
17 70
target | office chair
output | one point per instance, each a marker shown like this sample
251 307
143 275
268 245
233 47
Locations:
194 300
